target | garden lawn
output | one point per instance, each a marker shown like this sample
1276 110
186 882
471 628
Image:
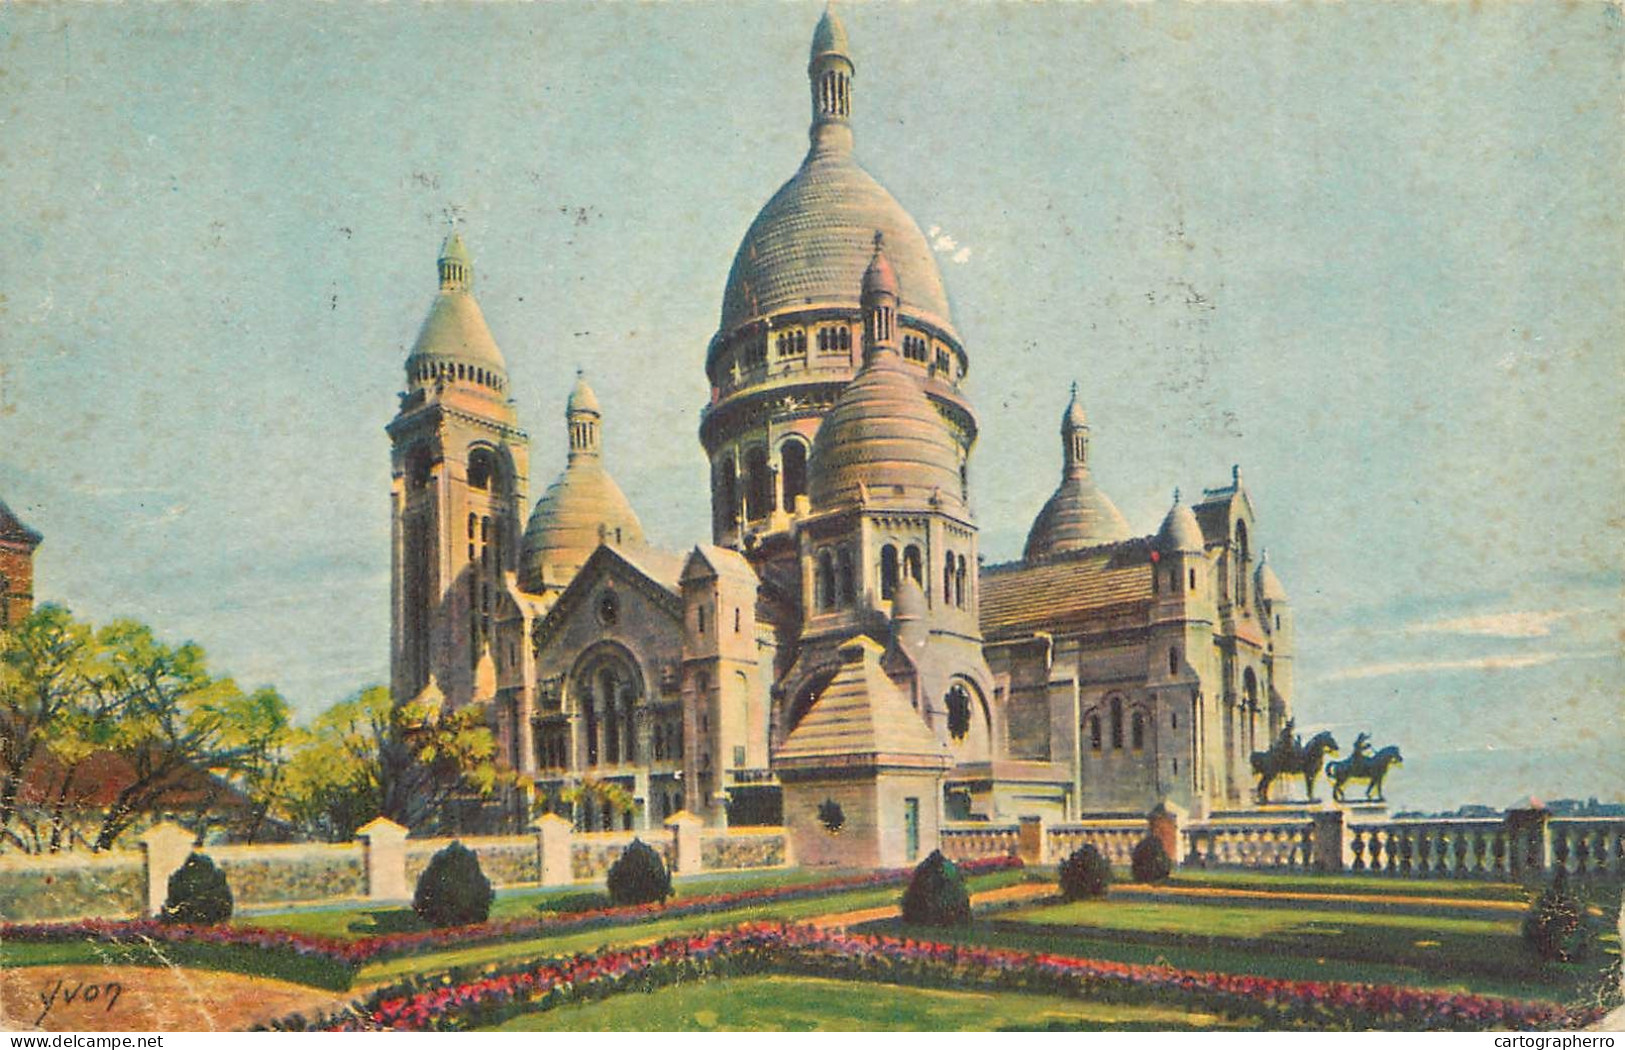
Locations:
388 970
369 920
807 1004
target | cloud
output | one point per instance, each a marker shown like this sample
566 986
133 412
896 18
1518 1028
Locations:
1505 662
1496 625
944 243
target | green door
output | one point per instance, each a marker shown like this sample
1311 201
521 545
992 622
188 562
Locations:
911 827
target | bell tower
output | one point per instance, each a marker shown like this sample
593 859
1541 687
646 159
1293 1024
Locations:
457 495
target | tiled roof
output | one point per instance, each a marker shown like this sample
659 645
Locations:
12 528
1066 591
861 713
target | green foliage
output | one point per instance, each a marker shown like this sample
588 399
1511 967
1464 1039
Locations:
1085 874
604 796
1556 928
198 894
936 895
1149 862
639 876
453 891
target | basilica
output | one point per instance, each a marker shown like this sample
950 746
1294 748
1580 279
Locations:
836 658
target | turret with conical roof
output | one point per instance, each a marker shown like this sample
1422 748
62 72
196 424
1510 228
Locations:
1078 514
1180 531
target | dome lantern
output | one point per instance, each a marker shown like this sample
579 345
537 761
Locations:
829 73
1078 515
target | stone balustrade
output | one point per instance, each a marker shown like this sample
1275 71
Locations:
970 840
1284 845
1115 839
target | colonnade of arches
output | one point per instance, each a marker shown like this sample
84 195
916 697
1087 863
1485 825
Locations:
910 560
751 487
456 371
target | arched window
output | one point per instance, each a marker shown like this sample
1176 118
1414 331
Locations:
912 564
1173 720
888 572
1173 660
959 583
793 468
1094 732
1241 564
826 582
725 486
1249 689
846 338
848 583
758 484
1193 581
1117 724
958 702
1137 731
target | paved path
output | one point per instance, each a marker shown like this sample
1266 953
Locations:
1218 893
1004 894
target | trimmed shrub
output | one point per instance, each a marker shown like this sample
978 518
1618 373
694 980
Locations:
639 876
1556 927
936 895
1149 862
1085 874
453 891
198 894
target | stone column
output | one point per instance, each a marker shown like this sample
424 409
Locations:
1529 837
1167 823
164 849
554 863
1331 837
384 842
686 829
1032 841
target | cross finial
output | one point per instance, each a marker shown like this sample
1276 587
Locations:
1176 496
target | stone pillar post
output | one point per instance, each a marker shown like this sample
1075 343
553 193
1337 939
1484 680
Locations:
1529 836
164 849
686 829
554 863
1032 841
1167 823
1331 837
385 844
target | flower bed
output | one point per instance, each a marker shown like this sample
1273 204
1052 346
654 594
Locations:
368 949
462 1002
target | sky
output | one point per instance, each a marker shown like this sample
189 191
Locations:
1371 253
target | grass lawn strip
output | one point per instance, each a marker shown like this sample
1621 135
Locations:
1379 885
772 1003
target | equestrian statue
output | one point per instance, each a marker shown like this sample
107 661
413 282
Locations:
1363 764
1290 756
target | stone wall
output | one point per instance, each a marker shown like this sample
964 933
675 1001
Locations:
262 875
69 886
382 866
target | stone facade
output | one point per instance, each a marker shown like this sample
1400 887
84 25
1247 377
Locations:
1104 672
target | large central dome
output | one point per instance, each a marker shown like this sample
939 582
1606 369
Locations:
810 244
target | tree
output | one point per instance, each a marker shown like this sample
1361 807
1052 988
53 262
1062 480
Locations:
365 757
44 681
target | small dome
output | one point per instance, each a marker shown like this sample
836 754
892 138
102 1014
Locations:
1180 531
884 440
1074 417
829 37
1268 584
583 508
879 278
454 250
1078 515
582 399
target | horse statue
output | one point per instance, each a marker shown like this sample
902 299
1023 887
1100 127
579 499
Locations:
1279 760
1290 756
1362 764
1313 754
